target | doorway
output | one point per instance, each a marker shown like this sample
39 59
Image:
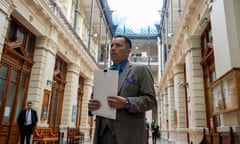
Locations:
15 69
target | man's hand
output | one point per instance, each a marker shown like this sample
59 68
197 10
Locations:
117 102
94 104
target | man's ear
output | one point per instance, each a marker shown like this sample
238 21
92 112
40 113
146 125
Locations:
129 51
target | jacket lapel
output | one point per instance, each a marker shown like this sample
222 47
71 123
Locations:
125 73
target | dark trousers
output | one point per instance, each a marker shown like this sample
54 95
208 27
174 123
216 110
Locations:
107 137
154 138
26 132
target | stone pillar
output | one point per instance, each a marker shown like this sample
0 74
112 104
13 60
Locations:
195 89
161 113
171 109
165 115
88 89
70 95
180 104
42 71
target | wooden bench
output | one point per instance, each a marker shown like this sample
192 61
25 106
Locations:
218 137
45 135
74 136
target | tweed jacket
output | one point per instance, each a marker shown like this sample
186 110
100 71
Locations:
137 84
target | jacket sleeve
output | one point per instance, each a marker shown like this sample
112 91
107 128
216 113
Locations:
144 97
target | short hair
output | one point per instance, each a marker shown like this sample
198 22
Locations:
127 40
29 102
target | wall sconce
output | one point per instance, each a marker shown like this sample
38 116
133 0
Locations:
50 82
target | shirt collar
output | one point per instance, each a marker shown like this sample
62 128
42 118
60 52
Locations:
122 65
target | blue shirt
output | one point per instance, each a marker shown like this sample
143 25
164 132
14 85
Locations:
121 66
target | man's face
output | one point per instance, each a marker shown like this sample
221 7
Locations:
29 106
119 50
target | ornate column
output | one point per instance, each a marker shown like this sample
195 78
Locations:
70 96
171 110
42 72
180 104
88 89
195 88
165 115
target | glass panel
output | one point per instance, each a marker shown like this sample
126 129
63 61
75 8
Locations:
59 106
204 43
131 22
20 95
217 96
30 45
3 77
11 32
210 36
14 76
3 71
2 86
20 36
218 120
10 96
53 105
214 77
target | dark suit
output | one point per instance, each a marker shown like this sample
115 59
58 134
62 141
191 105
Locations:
136 83
26 130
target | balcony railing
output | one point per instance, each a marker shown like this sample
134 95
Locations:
144 60
59 14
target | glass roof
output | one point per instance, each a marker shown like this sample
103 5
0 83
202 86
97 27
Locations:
134 17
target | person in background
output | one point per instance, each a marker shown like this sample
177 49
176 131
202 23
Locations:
27 120
147 129
155 131
136 95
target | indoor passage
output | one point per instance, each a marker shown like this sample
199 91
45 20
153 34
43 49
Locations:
186 55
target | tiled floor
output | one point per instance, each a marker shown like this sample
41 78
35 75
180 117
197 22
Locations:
149 141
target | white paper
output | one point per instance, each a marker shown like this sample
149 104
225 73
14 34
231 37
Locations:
105 84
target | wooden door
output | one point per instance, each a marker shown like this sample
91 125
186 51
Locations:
15 68
56 100
209 74
79 101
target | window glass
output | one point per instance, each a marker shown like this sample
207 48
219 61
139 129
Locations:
11 32
30 44
10 96
21 36
3 76
20 95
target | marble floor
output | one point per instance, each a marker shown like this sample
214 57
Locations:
149 141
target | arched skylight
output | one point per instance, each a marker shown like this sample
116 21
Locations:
135 16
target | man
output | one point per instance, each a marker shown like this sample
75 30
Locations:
155 131
136 95
27 120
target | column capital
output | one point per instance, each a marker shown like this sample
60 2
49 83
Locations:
47 44
74 68
178 68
